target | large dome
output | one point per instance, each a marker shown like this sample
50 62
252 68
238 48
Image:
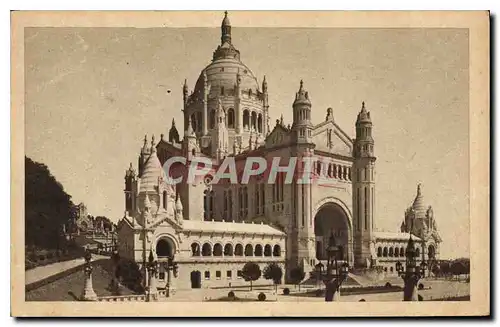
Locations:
221 75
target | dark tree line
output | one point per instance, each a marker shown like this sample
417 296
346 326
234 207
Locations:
47 208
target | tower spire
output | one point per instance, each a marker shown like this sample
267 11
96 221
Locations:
226 30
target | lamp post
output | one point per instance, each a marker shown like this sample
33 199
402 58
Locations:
335 274
412 274
171 267
88 293
152 291
319 273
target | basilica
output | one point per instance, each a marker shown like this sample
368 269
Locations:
210 230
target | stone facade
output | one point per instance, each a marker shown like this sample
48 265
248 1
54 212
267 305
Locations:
227 115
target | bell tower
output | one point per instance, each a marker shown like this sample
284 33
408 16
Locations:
363 185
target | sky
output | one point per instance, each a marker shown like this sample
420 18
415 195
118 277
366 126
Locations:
91 94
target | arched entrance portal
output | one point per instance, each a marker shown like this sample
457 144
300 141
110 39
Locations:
195 279
164 248
332 218
431 252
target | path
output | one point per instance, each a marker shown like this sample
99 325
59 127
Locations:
39 273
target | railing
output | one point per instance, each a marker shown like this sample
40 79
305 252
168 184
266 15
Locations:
123 298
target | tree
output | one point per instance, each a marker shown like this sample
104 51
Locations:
47 208
273 271
435 269
297 275
458 268
251 272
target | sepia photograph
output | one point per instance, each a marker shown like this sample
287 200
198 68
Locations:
245 161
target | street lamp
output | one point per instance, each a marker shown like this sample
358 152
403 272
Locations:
334 278
423 267
152 268
400 268
319 273
171 265
413 272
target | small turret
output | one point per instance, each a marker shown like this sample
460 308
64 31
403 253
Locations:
264 85
173 134
302 125
302 96
185 92
153 145
363 144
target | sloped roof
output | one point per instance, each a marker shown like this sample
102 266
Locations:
395 236
152 171
230 227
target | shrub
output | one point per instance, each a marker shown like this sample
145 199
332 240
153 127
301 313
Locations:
41 257
319 293
286 291
388 285
420 286
362 300
231 295
130 275
262 296
420 297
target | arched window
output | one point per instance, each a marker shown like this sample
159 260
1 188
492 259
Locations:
417 252
379 251
385 252
238 250
230 118
206 250
208 204
212 119
217 250
277 251
193 122
318 167
195 249
402 252
228 250
246 119
164 199
222 90
330 170
258 250
392 269
267 250
431 252
254 120
391 251
396 252
248 250
259 123
334 171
